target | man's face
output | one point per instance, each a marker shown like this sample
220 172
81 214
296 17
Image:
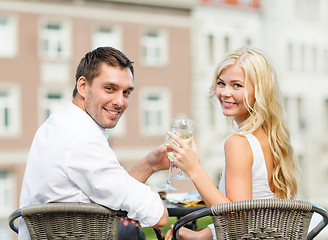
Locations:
107 97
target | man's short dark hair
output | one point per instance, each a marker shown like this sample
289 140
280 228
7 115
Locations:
89 66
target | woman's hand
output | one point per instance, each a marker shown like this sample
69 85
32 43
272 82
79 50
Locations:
187 234
186 157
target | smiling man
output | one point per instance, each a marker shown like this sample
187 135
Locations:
71 155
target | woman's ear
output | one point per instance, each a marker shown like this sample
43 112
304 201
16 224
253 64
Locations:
81 86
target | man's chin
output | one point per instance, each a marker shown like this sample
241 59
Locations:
110 125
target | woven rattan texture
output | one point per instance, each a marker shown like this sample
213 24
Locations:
258 219
69 221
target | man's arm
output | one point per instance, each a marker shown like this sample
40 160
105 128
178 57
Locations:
161 223
155 161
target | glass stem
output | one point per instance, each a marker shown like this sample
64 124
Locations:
179 172
170 170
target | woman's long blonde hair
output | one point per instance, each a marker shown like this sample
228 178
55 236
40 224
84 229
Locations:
266 113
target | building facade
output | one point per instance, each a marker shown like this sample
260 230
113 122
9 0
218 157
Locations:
42 43
175 46
292 34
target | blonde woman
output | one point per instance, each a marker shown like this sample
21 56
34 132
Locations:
259 159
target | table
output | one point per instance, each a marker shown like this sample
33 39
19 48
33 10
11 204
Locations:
179 210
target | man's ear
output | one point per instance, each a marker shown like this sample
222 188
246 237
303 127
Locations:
81 86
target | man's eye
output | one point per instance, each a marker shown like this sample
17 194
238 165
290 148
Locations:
127 94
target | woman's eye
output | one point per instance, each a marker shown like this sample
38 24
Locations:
237 85
220 83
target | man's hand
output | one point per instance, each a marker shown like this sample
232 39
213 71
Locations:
126 221
157 159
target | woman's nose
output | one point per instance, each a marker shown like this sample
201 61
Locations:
226 91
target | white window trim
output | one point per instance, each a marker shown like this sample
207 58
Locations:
44 103
166 111
164 48
10 184
65 36
13 34
117 36
15 106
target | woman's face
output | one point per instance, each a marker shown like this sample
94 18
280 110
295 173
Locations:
230 91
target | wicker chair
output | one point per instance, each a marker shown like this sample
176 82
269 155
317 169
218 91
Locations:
260 219
82 221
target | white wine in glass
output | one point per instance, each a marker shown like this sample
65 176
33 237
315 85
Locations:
184 128
167 185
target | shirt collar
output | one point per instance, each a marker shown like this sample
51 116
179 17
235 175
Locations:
83 115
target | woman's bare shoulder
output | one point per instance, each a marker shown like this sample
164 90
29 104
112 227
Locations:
237 148
236 141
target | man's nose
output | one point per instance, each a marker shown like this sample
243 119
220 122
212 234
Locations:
118 99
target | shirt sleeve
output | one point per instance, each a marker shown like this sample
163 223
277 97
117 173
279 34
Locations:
93 167
211 226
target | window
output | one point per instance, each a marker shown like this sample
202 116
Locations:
308 9
301 113
326 61
55 40
290 57
326 113
106 36
52 102
9 112
210 48
214 108
303 58
154 48
248 42
226 43
8 37
155 109
7 193
314 59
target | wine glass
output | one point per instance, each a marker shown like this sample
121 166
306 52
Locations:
184 128
168 185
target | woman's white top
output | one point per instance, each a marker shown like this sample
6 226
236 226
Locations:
261 188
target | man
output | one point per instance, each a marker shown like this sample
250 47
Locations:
70 159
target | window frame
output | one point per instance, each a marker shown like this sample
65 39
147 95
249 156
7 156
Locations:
52 106
147 43
13 104
116 37
11 47
63 36
163 107
7 184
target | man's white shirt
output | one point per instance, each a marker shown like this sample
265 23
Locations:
70 161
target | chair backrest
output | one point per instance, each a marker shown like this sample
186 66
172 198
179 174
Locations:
69 221
260 219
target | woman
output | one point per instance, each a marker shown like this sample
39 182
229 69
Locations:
259 159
